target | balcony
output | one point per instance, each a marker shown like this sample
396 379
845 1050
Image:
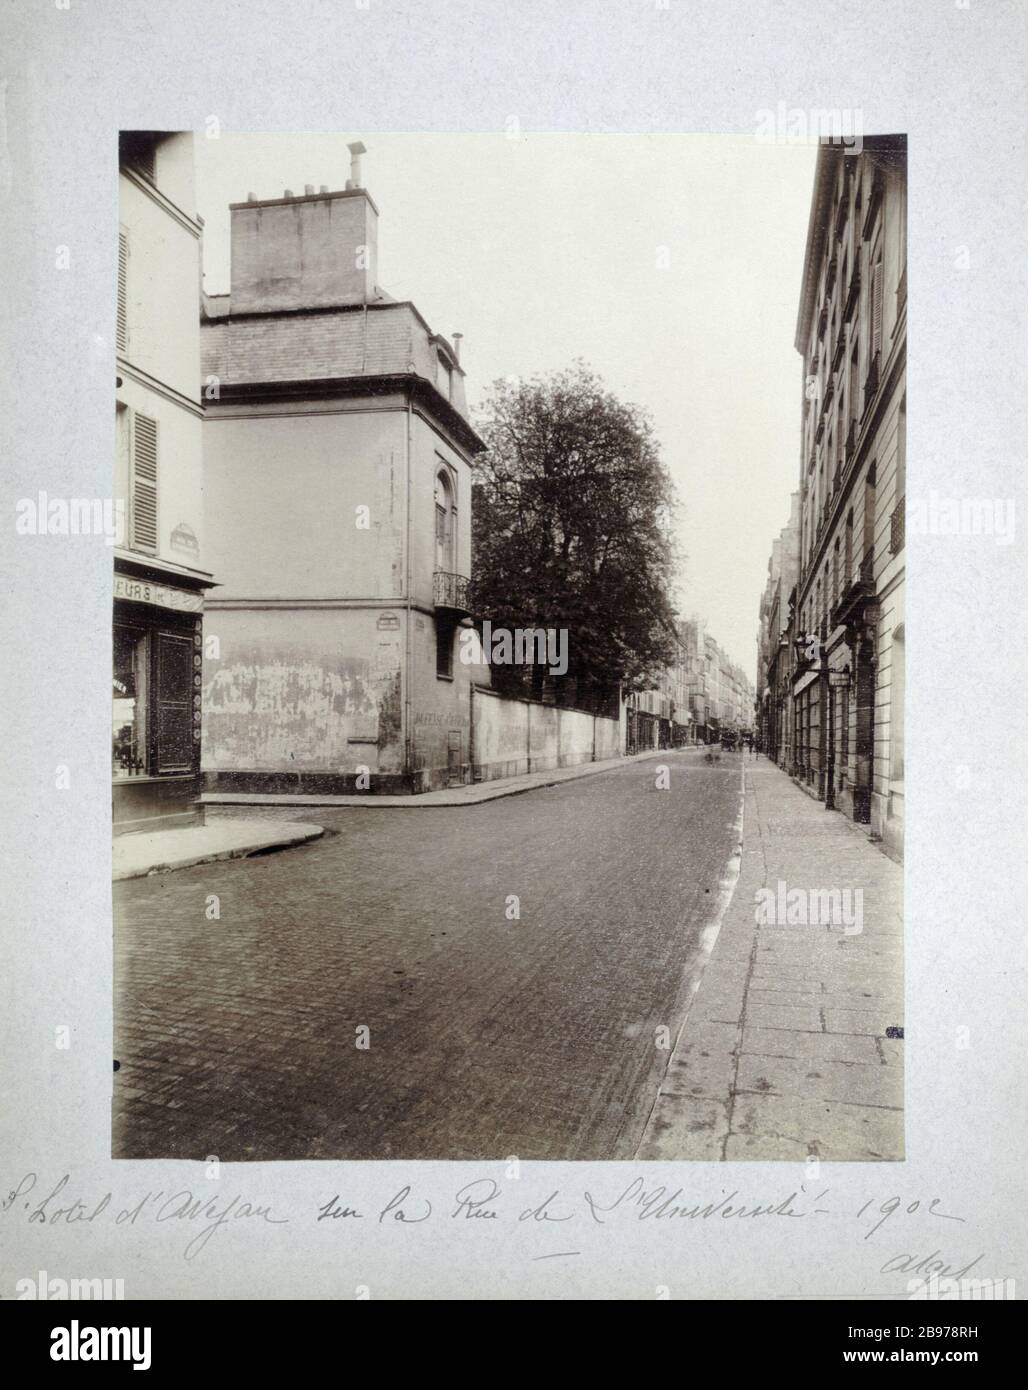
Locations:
451 591
855 598
851 443
897 527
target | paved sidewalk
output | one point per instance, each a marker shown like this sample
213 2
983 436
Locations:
784 1053
152 852
447 796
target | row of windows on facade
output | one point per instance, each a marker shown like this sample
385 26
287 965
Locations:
839 570
832 432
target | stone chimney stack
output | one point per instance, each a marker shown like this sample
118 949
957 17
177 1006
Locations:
317 251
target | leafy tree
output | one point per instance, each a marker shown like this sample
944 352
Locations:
571 527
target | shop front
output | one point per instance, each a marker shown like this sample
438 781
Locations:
157 677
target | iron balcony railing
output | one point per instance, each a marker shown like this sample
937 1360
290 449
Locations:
451 591
897 527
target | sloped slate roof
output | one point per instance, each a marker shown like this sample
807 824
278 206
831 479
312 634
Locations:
378 341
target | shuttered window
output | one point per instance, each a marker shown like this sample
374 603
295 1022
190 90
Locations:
122 328
876 307
174 742
144 484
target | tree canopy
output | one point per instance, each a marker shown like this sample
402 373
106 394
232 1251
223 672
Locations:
571 525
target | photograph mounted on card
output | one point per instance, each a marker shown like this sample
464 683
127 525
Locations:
457 813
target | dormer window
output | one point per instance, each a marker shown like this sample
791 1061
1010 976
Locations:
443 375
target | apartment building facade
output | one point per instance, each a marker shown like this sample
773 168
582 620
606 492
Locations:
160 560
717 691
773 705
851 332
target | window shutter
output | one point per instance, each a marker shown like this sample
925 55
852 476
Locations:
144 484
174 703
876 308
122 330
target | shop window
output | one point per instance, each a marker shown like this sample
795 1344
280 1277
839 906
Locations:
130 702
156 706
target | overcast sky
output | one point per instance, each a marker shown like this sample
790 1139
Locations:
670 264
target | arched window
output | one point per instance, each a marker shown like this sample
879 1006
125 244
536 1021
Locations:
445 523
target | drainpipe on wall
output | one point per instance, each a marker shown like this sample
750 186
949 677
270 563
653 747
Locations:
471 730
408 732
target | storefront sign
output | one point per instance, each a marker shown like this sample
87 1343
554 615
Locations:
160 595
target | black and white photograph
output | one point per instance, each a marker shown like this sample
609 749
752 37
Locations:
508 721
480 821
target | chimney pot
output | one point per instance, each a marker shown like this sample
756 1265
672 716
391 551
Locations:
457 339
323 188
288 193
251 197
357 148
308 189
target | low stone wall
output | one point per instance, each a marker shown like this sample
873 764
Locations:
511 737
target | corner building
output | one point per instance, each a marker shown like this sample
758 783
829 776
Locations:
338 453
161 567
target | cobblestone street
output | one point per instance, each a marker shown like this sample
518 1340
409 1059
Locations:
237 1036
